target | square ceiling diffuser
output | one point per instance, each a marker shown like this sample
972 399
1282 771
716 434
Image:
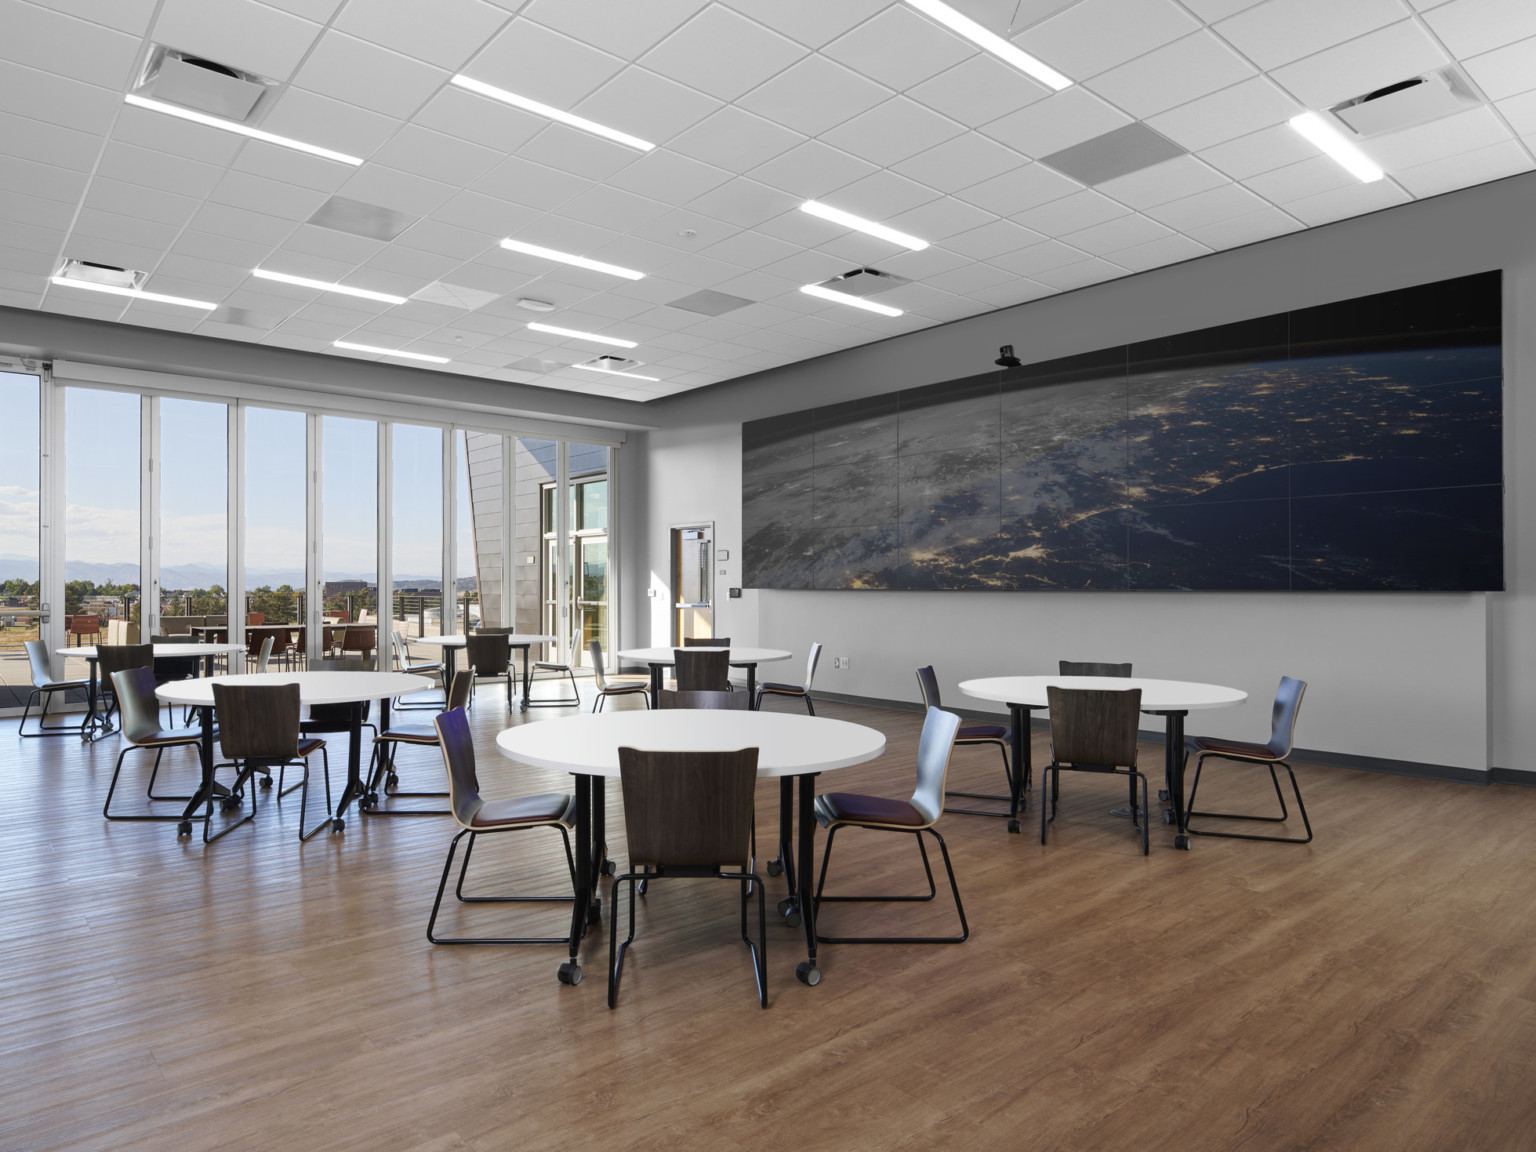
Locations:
1117 153
360 219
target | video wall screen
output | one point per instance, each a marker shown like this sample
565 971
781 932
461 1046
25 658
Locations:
1351 446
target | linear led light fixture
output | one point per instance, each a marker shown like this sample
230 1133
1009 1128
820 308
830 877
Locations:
566 258
1004 50
859 224
593 336
390 352
611 372
327 286
854 301
549 113
240 129
135 293
1330 141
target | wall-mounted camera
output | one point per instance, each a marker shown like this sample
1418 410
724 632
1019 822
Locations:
1006 358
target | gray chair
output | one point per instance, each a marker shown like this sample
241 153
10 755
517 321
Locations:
1282 735
688 814
44 687
1094 730
560 669
702 669
259 731
998 734
640 688
802 691
838 810
403 664
479 817
135 691
381 770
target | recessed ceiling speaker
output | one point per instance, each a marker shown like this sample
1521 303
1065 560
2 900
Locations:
533 305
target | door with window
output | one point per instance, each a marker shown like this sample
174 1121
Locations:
693 611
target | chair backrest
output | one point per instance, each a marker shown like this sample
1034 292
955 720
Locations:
1282 724
85 625
489 654
459 689
706 641
459 759
257 721
186 638
255 618
718 701
810 665
136 701
688 809
179 625
37 657
496 631
1094 725
595 649
1090 668
116 657
265 654
933 749
358 640
928 684
702 669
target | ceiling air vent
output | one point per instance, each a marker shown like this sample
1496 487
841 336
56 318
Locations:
202 85
864 282
109 274
609 364
1408 103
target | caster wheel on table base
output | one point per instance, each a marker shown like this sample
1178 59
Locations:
775 868
808 973
184 828
266 781
594 915
609 868
570 972
1013 826
1162 794
1181 841
337 824
792 917
391 782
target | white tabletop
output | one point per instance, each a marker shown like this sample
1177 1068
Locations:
89 652
455 640
739 655
314 687
1156 695
788 744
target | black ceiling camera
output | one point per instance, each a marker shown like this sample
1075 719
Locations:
1006 358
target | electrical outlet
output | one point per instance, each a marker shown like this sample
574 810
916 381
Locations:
847 661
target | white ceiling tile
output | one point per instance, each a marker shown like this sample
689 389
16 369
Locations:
31 139
1071 213
1171 75
971 277
1095 35
1021 291
1506 71
1520 111
750 250
613 208
668 230
959 163
938 220
254 227
1213 10
445 33
258 194
1057 122
1169 249
1211 207
1225 115
106 238
1113 235
401 191
979 90
1465 132
1351 200
1308 177
1080 275
578 153
237 33
318 119
221 249
437 156
722 53
1171 180
807 267
17 208
47 181
1279 31
1372 61
96 54
320 11
140 202
670 177
73 305
186 267
812 169
647 105
346 68
891 132
1470 27
811 22
445 240
1019 190
32 262
479 119
814 95
158 170
735 140
329 243
535 185
543 65
898 48
1492 163
287 166
621 27
1261 151
996 238
130 16
37 95
882 195
744 203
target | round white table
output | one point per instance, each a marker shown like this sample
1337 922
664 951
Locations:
354 688
451 643
1171 699
92 654
789 746
741 657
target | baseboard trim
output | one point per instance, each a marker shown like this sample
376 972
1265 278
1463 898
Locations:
1390 767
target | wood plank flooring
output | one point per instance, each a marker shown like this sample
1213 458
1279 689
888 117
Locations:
1373 990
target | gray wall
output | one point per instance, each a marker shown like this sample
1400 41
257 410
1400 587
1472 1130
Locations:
1435 679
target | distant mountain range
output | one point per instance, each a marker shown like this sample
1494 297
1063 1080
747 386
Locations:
188 576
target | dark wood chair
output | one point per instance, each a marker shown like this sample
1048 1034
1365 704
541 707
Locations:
838 810
712 642
1090 668
640 688
479 817
381 769
259 731
359 641
702 669
720 701
489 655
801 691
688 814
1282 733
1094 730
135 691
113 658
998 734
44 688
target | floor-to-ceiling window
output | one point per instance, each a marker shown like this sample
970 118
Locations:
349 542
416 531
194 508
276 524
587 470
20 496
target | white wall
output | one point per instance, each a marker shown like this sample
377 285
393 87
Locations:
1435 679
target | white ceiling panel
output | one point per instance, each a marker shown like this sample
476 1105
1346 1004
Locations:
314 119
1470 27
1225 115
93 53
346 68
1279 31
1478 128
996 238
811 22
1071 213
132 16
736 140
1080 275
1025 187
961 162
646 105
1112 235
1171 180
1506 71
1209 207
53 99
898 48
1478 167
1174 74
1056 122
1354 199
29 139
239 33
891 132
978 91
692 54
1520 111
1261 151
812 169
814 95
669 176
541 64
1169 249
444 33
1375 60
621 27
1093 36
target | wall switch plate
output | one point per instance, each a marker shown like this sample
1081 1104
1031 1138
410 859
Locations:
735 593
722 554
652 593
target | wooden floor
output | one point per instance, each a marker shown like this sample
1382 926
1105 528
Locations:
1374 990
